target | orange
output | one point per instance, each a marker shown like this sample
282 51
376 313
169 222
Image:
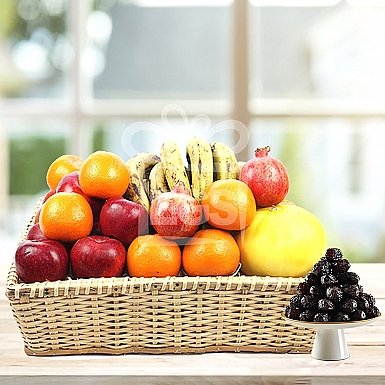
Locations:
210 252
229 204
153 256
66 217
104 175
60 167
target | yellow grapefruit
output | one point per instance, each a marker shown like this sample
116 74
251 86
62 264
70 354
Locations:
281 241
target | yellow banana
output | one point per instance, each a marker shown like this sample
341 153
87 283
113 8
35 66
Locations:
225 162
139 167
200 165
173 167
157 181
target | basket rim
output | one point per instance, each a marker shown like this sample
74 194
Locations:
128 285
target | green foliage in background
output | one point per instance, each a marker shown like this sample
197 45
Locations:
30 158
8 17
290 156
11 24
43 22
98 139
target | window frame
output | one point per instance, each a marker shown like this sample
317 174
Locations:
80 109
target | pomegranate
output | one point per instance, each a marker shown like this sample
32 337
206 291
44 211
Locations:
176 213
267 178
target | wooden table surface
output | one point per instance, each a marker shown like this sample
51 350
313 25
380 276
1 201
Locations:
366 364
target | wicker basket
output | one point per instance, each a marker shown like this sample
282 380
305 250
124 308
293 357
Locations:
155 315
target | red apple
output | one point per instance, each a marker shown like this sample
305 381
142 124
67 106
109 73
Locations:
37 216
96 206
70 183
39 261
97 256
123 219
35 233
49 193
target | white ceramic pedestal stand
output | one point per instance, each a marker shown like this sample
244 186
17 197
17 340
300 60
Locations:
329 343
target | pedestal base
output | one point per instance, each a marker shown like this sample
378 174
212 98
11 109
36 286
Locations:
330 345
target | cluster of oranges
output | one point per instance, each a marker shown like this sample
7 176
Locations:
228 206
67 216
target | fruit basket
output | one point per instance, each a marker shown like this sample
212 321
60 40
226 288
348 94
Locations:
155 315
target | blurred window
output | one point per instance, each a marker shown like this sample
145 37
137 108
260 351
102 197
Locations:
34 49
177 52
305 76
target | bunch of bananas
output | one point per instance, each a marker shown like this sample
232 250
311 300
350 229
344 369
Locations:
152 175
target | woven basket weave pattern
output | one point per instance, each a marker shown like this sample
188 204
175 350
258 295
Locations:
155 315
